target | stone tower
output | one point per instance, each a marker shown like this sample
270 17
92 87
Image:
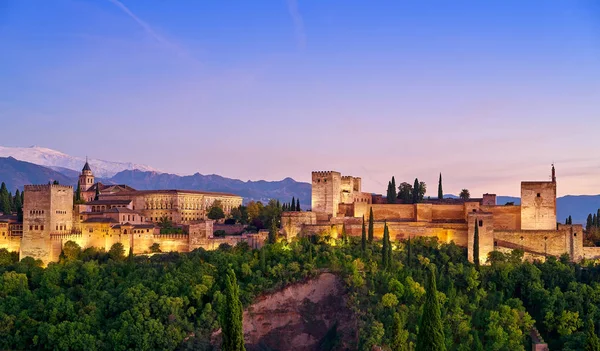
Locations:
86 178
326 190
47 209
538 204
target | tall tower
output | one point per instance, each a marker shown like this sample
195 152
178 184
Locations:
46 209
326 192
86 178
538 204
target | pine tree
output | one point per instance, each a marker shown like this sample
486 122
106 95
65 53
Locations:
415 194
363 241
431 331
592 343
476 246
298 204
273 232
440 191
230 317
370 237
384 247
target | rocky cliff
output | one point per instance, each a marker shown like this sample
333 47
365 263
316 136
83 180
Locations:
306 316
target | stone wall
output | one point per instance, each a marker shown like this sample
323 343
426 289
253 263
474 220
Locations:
567 239
385 211
292 222
485 227
448 213
505 217
591 253
538 205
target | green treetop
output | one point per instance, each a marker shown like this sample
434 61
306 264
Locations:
440 191
476 245
363 241
415 193
592 343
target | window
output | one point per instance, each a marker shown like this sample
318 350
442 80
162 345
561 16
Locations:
30 227
41 227
474 210
36 227
480 223
56 227
538 194
574 234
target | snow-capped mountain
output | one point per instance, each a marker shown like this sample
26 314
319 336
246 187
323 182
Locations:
57 160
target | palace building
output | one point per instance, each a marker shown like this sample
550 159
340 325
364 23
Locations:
112 214
338 202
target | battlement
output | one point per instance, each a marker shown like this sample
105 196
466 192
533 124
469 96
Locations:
46 187
347 178
324 173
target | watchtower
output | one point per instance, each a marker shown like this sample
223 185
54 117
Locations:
86 178
326 190
538 204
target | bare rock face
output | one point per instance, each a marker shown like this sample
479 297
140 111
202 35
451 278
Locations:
307 316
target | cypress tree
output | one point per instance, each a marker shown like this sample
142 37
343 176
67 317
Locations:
476 245
570 220
595 221
17 201
293 203
273 231
363 238
22 198
431 331
371 225
399 337
388 196
278 204
344 237
598 218
298 204
589 223
389 252
592 343
415 194
10 202
384 247
263 260
440 191
4 203
477 345
231 316
393 192
78 193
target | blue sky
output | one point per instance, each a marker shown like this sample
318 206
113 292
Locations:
487 92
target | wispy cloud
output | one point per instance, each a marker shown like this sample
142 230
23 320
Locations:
298 22
149 30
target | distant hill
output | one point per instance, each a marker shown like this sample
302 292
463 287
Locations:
51 158
260 190
17 173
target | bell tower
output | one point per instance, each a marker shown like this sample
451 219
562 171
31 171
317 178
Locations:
86 178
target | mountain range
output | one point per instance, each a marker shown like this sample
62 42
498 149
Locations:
37 165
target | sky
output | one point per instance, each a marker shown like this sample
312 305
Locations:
488 93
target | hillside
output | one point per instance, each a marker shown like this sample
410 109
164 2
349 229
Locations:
17 173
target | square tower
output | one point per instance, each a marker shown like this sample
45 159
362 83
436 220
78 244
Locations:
326 192
46 209
538 205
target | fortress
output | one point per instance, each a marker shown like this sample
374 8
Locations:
338 203
113 214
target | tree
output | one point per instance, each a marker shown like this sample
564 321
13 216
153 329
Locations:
431 331
592 343
78 193
464 194
363 237
415 194
384 247
215 211
440 191
344 235
273 232
370 237
589 223
405 191
476 246
117 252
230 317
399 339
97 196
5 206
71 250
570 220
298 205
155 248
293 203
55 182
393 190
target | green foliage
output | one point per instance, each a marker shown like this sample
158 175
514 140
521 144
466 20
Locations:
215 211
117 252
273 233
592 343
155 248
431 332
71 250
371 224
5 200
363 237
465 194
476 245
415 194
391 191
230 317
